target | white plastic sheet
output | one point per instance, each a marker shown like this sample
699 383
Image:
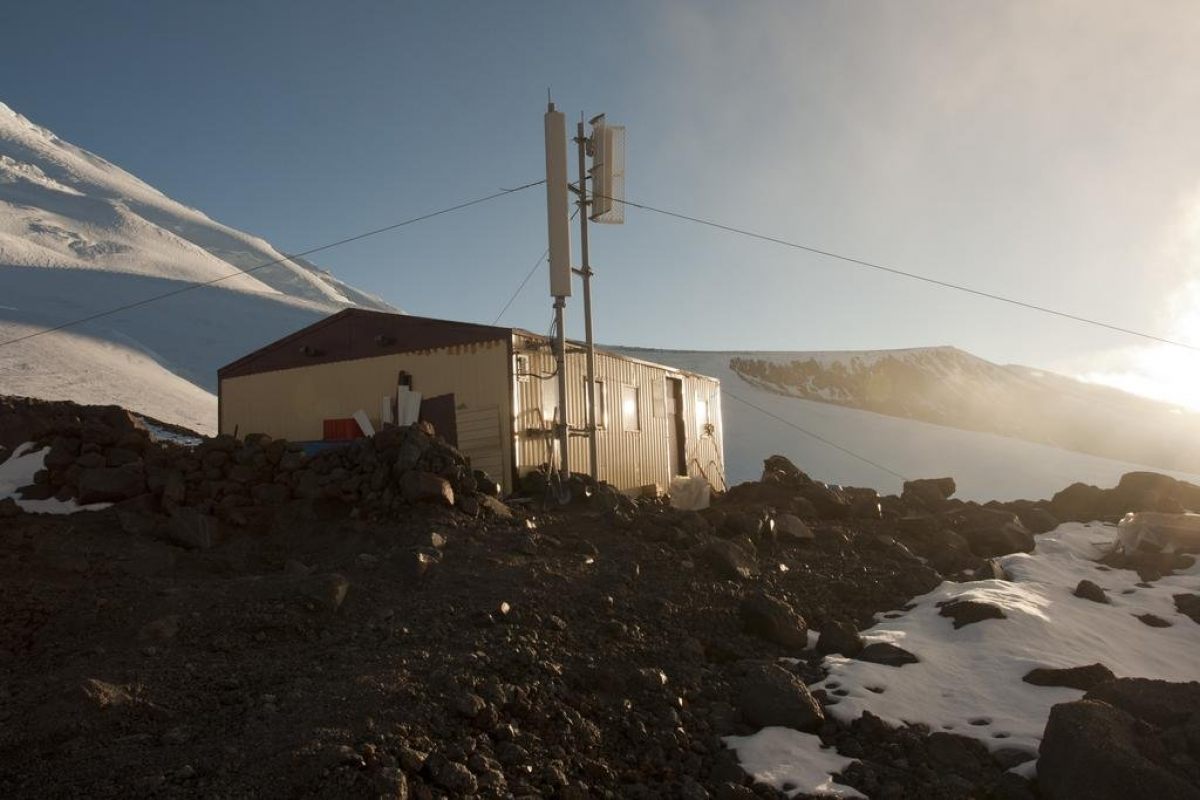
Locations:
364 423
408 406
689 494
1166 532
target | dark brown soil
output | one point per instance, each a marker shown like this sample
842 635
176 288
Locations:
566 654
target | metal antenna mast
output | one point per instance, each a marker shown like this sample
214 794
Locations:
559 228
605 205
585 271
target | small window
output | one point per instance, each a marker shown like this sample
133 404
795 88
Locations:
631 417
701 412
601 403
548 389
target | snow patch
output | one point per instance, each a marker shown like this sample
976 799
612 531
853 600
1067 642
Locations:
792 762
18 471
969 680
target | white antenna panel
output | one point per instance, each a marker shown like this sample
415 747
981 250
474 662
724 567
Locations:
608 174
558 218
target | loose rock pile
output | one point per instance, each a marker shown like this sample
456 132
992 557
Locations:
373 621
196 494
1136 491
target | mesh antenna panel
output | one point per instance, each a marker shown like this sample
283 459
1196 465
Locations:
608 173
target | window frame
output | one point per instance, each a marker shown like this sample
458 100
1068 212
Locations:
637 407
601 395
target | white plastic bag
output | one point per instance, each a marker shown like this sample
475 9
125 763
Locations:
689 494
1170 533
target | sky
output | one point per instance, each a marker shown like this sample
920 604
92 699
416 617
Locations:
1044 151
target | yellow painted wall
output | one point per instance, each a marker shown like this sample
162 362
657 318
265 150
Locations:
293 403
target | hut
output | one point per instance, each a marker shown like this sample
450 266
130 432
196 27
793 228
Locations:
490 391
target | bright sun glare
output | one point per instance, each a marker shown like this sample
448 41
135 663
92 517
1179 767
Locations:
1163 371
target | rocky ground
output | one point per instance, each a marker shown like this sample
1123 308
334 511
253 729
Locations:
247 621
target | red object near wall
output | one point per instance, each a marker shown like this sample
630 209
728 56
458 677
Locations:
336 430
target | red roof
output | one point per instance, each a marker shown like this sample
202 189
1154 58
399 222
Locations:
358 333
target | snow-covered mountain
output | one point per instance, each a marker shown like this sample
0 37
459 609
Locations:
759 419
79 235
947 386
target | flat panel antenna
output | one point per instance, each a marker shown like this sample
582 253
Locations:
558 219
608 173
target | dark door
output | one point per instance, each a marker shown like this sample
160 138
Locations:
439 412
677 452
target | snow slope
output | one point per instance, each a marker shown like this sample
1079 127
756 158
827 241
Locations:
986 466
947 386
79 235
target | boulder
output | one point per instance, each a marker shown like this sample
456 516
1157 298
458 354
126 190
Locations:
1089 750
830 502
325 592
425 487
243 473
839 636
189 528
1160 703
174 490
270 494
1037 519
110 484
946 550
728 560
741 524
1084 678
91 461
779 469
773 619
1144 491
62 454
9 508
1079 502
451 776
887 654
994 532
771 695
929 494
495 507
1090 591
1189 605
992 570
120 456
960 755
966 612
791 528
864 503
485 484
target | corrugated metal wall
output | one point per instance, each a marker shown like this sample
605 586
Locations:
291 403
628 459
